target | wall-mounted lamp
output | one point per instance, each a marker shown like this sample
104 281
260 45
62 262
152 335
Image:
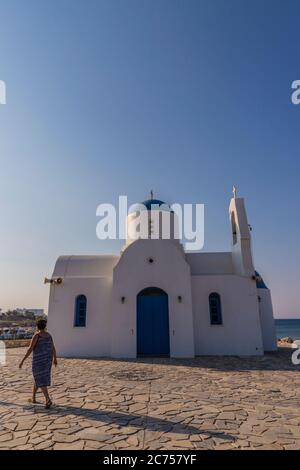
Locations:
123 300
179 299
56 280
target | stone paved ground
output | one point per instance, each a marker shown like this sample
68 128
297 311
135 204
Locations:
205 403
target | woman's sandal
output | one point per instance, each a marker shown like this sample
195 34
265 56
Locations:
48 404
31 400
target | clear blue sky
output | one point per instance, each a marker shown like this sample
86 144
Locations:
109 97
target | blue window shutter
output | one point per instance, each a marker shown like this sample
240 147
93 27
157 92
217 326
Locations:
215 309
80 310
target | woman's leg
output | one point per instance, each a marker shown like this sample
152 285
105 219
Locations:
46 395
34 390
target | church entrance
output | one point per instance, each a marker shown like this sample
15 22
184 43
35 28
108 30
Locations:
153 323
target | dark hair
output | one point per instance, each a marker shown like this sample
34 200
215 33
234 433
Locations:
41 324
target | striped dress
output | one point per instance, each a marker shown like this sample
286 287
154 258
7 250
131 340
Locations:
42 361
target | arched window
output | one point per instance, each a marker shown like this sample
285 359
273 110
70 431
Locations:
234 228
80 310
215 309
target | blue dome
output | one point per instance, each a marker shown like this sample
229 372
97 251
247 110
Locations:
154 202
259 281
146 205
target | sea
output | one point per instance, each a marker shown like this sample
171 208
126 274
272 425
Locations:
288 327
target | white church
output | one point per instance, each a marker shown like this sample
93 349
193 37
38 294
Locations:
155 299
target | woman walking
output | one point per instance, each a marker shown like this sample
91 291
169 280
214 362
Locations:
44 354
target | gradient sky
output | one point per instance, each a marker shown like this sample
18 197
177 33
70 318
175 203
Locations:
109 97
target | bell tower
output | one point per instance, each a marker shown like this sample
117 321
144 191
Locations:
241 237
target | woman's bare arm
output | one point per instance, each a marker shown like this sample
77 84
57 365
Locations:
30 349
54 354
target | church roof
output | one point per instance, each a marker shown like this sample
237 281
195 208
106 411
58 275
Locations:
85 266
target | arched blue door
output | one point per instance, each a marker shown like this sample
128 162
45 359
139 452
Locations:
153 322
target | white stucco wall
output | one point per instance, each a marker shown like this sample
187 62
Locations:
240 333
267 320
111 326
169 272
92 277
210 263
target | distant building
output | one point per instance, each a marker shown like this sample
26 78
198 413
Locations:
21 311
38 312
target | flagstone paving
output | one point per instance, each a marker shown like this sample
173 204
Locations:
203 403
